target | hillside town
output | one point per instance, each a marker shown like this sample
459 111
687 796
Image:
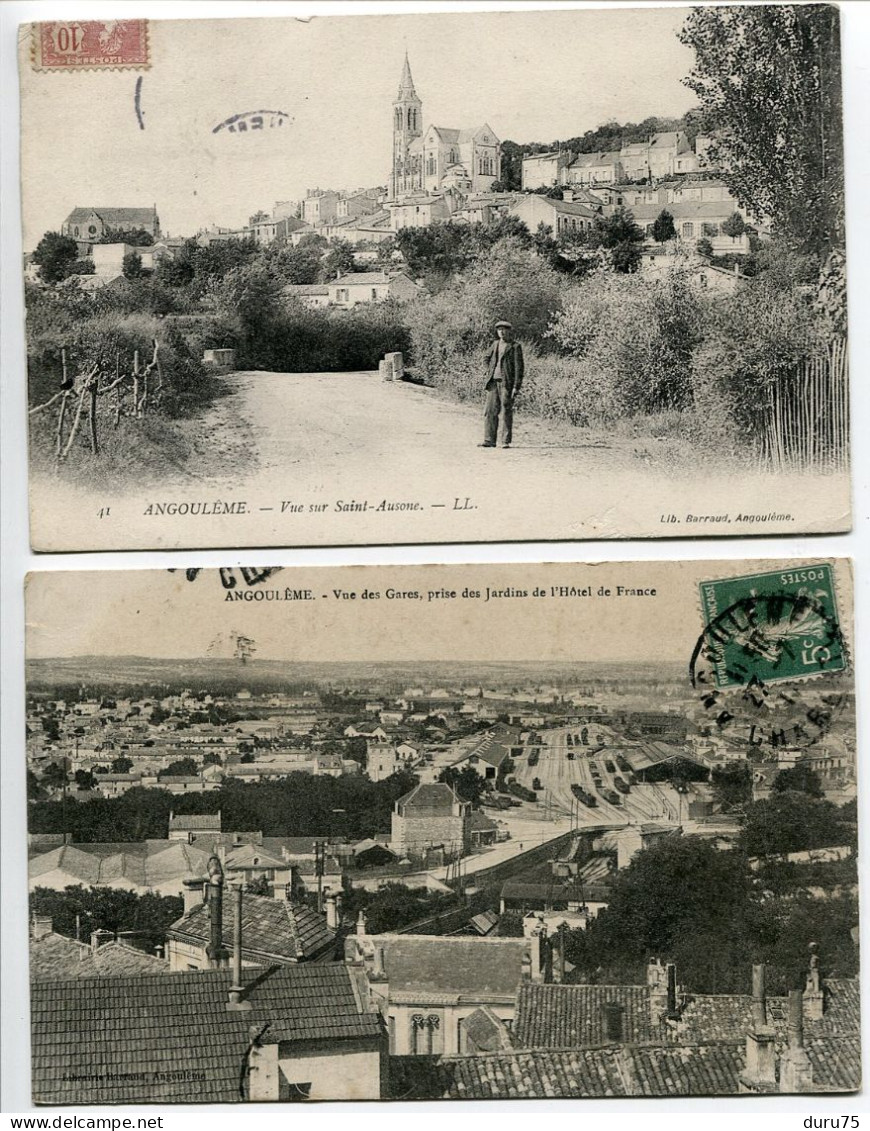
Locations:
516 811
446 174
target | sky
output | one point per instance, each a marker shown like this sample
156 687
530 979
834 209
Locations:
532 76
160 614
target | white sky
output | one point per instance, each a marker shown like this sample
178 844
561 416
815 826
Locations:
533 76
155 613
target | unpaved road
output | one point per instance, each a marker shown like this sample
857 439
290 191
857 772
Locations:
325 459
336 422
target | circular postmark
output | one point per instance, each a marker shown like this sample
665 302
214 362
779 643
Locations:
770 670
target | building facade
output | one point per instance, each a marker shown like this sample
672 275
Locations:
438 157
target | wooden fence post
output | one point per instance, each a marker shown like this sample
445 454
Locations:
93 415
135 382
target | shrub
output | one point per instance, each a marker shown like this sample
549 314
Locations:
634 339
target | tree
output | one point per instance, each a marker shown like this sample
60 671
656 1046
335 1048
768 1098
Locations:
132 265
135 237
212 759
791 822
734 226
182 768
338 260
769 82
732 785
84 779
35 792
55 255
467 782
54 776
704 247
659 908
663 227
147 917
121 765
622 237
801 778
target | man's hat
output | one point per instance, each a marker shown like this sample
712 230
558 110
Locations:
506 325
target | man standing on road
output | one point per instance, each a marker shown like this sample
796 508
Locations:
504 379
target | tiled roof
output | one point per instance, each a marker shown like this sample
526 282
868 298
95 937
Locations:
696 1070
836 1061
114 216
306 289
459 965
67 859
270 927
114 959
504 1075
194 822
566 1016
53 955
367 278
485 1032
428 796
168 1038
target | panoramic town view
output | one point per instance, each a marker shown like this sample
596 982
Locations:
461 880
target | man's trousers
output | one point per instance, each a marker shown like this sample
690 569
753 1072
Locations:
498 401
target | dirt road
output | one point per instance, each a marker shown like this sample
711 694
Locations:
352 424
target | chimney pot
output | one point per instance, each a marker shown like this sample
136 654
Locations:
672 1013
759 999
795 1019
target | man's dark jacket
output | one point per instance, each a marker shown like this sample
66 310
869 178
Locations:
512 367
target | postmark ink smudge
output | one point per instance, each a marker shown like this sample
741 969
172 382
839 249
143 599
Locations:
137 103
252 120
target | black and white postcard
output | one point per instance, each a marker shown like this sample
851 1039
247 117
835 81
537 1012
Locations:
440 277
442 832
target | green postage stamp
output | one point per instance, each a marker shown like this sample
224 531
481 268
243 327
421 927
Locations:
766 627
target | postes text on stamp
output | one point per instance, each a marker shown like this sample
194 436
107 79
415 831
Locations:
781 625
68 45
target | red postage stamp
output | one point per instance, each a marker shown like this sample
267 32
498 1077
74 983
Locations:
67 45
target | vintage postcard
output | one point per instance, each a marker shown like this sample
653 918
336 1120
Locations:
442 832
439 277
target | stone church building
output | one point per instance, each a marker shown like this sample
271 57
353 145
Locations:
436 158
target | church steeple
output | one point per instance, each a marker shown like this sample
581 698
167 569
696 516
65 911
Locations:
407 126
406 84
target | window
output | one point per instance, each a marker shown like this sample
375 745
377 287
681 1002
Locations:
92 230
374 294
342 295
688 230
76 231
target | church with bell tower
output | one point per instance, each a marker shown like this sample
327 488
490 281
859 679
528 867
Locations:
439 158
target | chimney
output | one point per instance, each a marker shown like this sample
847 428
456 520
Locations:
538 954
656 980
40 926
236 1002
814 994
159 950
361 925
795 1070
98 937
193 894
378 971
332 919
568 195
613 1020
216 951
760 1073
673 1014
